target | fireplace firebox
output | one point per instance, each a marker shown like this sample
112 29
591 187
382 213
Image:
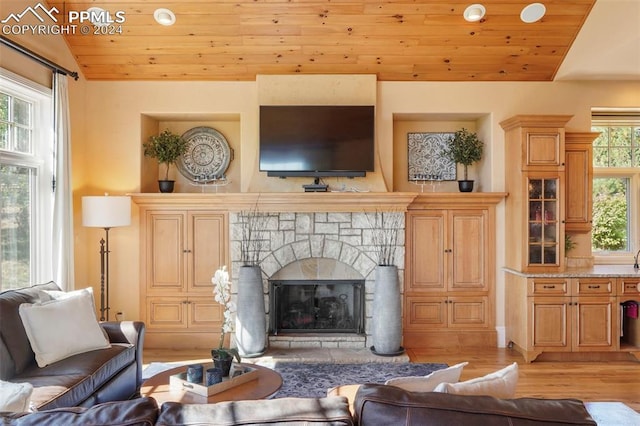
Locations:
316 306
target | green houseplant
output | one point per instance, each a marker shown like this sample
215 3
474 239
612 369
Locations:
464 148
166 147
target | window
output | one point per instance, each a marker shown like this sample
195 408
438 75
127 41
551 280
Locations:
26 156
616 186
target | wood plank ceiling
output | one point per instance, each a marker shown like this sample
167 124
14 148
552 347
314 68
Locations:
398 40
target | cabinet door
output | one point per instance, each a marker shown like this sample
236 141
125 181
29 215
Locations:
204 314
467 257
549 323
543 149
167 313
424 312
579 187
207 248
426 243
544 226
166 255
468 311
595 324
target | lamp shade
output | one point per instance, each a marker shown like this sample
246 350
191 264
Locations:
106 211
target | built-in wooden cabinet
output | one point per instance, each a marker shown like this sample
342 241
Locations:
543 147
535 181
561 315
579 181
181 251
544 209
456 239
450 270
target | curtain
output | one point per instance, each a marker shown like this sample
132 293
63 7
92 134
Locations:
62 247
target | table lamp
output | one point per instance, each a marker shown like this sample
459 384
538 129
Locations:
105 212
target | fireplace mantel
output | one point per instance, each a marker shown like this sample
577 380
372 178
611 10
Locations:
314 202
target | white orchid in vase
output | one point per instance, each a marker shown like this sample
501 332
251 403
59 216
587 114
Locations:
222 295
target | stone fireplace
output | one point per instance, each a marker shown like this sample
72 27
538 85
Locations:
316 306
331 259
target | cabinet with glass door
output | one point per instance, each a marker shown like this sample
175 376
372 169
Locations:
544 224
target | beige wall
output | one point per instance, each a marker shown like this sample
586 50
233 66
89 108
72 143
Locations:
113 127
110 121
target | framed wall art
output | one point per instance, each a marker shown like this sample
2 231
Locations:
426 157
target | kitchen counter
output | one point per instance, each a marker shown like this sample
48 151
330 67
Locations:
614 271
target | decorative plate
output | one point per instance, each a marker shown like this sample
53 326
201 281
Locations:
207 157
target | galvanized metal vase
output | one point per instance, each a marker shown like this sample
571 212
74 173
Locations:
251 321
387 316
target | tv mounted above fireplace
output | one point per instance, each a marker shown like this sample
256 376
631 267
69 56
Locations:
317 140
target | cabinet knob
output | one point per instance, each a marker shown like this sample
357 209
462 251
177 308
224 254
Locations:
593 286
549 286
448 250
186 251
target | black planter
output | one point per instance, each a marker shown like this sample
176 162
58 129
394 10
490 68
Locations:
465 185
223 363
166 185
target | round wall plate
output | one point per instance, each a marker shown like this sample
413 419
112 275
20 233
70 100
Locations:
207 157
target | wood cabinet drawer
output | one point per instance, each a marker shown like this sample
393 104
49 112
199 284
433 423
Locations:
548 287
594 286
629 286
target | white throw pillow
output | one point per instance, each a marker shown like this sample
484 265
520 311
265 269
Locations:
47 295
500 384
429 382
63 327
15 397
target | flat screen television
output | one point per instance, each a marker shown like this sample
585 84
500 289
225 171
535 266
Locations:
317 140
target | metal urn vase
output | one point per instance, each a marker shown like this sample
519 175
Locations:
387 315
251 322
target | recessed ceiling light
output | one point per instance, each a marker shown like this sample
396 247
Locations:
533 12
164 17
474 13
98 16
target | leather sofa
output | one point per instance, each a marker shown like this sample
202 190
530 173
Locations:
375 405
82 380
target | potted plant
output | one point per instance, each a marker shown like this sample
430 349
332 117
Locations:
166 147
386 330
223 356
464 148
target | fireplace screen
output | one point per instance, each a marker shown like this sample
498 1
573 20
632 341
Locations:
318 306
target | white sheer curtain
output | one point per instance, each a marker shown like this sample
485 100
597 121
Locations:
63 269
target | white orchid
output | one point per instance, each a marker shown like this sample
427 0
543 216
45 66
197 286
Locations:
222 295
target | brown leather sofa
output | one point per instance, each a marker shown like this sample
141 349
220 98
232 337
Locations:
85 379
375 405
388 405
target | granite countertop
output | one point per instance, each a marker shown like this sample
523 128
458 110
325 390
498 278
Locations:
616 271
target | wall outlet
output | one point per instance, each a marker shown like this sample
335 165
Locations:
120 316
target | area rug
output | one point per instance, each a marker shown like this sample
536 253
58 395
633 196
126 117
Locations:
313 380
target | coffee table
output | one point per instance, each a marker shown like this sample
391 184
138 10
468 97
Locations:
157 387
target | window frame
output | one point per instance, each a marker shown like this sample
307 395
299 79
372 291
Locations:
633 174
41 160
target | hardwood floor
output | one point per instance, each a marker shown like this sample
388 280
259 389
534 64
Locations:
587 381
